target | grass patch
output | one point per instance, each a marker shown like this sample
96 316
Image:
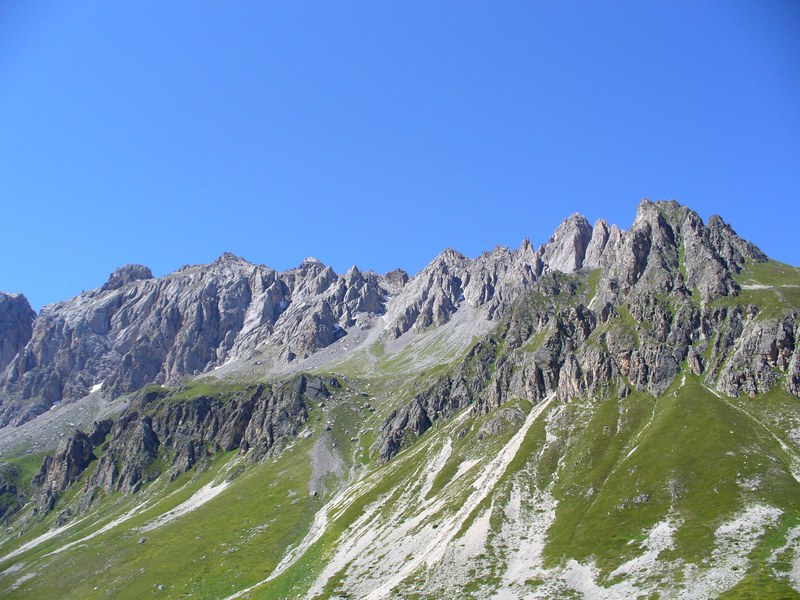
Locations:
780 295
691 458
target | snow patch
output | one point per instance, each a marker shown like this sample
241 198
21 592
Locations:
96 387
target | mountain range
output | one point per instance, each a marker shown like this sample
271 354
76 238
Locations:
615 414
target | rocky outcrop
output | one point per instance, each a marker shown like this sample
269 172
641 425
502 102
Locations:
61 469
447 395
11 496
160 433
760 358
553 343
432 296
669 250
16 326
603 245
125 275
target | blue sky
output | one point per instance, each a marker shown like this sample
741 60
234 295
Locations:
379 133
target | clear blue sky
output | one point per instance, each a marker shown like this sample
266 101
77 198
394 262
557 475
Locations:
379 133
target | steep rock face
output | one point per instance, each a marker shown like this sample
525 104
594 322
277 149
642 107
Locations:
447 395
139 330
433 295
59 471
566 250
10 497
760 357
669 250
183 432
604 244
16 326
323 316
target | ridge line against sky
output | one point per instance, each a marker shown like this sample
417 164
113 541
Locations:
379 135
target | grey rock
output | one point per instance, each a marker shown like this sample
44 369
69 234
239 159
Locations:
567 248
16 326
258 421
60 470
762 352
127 274
137 330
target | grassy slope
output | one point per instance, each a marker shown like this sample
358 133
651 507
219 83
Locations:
702 446
232 540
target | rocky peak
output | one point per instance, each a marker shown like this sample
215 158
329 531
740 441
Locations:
127 274
433 295
448 257
353 274
203 316
228 257
567 248
310 278
595 251
669 248
397 278
729 246
16 326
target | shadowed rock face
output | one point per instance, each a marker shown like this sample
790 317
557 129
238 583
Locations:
16 326
136 329
258 420
60 470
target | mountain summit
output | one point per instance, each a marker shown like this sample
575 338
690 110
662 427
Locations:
613 414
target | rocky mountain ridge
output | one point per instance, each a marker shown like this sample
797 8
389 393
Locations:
136 329
559 334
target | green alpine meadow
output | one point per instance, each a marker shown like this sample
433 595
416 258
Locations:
614 414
